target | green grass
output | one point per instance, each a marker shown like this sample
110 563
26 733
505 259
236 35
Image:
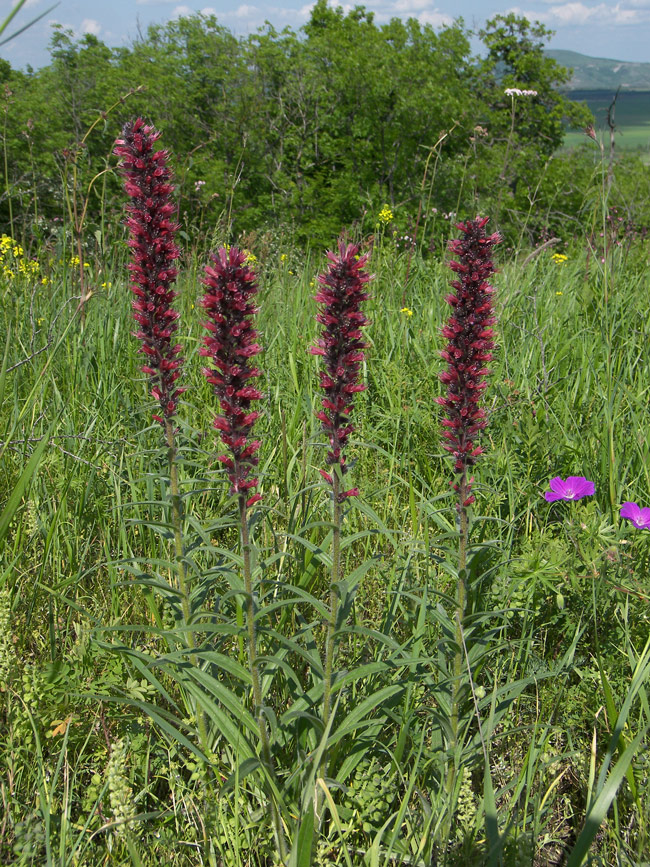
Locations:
631 118
555 731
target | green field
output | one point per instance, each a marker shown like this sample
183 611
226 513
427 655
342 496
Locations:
104 759
631 117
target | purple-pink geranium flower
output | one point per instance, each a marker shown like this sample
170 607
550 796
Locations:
639 517
575 488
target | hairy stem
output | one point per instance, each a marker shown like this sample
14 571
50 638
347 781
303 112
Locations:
181 569
254 670
459 613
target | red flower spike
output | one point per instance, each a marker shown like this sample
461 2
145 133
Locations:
231 344
341 292
470 339
146 180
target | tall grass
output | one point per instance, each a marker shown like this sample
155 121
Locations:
554 718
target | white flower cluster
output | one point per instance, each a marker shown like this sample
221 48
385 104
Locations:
515 91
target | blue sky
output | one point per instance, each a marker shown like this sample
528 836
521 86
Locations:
618 30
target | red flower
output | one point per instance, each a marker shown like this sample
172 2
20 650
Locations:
470 346
231 345
342 289
147 181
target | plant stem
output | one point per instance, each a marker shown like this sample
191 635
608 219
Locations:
330 644
334 604
255 677
459 613
181 571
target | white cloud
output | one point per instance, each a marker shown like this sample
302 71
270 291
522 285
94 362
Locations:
182 12
245 11
410 5
435 19
89 25
578 13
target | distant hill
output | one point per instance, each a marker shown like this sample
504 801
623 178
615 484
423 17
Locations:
599 73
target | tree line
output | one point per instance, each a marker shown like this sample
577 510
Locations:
307 131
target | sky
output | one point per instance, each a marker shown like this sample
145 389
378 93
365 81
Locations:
617 30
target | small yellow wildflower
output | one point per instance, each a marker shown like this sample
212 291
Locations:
559 258
406 311
106 285
559 293
6 243
74 260
40 321
45 281
283 257
86 264
385 215
251 258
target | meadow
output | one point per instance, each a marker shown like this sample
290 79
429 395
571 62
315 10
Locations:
128 728
631 116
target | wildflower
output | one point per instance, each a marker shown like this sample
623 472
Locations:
575 488
283 257
639 517
470 347
342 289
515 91
407 311
74 260
198 185
231 345
385 215
559 293
147 181
559 258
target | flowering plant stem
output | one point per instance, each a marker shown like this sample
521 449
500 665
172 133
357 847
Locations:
252 661
177 524
334 607
459 613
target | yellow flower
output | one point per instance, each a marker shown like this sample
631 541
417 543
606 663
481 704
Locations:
45 281
17 251
251 258
559 293
283 257
106 285
74 260
559 258
385 215
406 311
6 243
86 264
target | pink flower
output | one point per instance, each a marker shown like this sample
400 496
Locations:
575 488
639 517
